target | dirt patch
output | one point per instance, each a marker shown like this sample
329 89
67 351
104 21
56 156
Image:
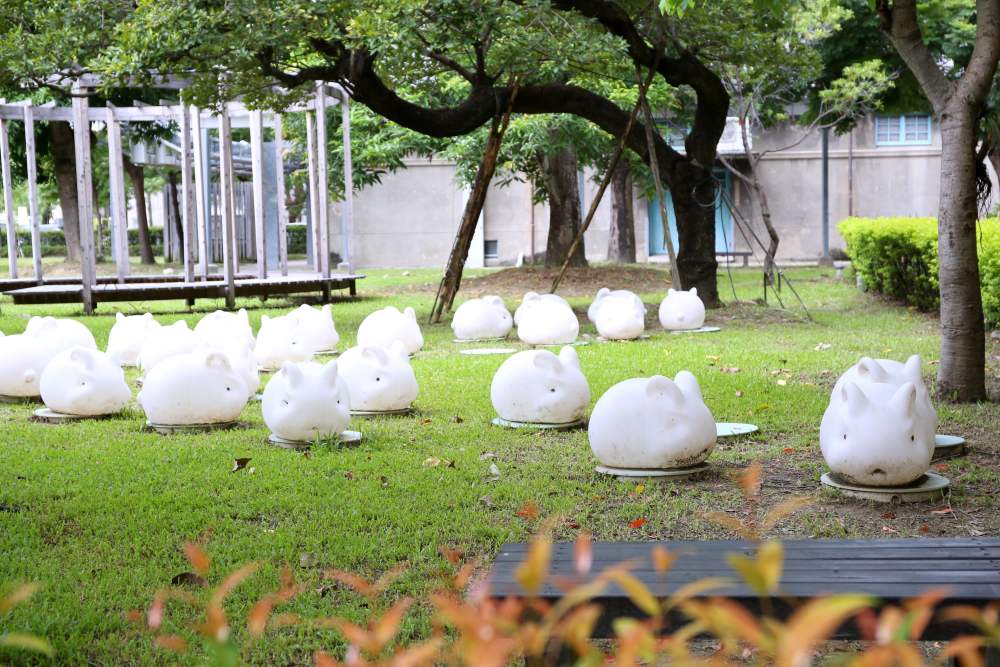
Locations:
576 282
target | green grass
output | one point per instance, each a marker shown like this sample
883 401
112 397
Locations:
96 512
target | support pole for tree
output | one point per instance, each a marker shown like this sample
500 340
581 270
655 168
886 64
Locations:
116 183
615 157
452 278
187 198
279 194
8 199
654 165
257 183
29 149
84 195
226 199
323 202
202 179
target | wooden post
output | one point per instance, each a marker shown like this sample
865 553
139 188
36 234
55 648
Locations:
187 199
8 199
323 207
257 174
201 201
279 195
116 181
347 215
227 200
313 186
84 194
36 231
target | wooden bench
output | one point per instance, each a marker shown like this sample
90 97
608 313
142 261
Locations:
892 570
730 255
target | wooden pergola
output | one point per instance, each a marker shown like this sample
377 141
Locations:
195 169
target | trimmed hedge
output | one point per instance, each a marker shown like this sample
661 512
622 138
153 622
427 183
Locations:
898 257
54 241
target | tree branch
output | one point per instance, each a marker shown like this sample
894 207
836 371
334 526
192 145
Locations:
898 20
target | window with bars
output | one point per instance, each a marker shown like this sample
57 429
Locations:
903 130
491 249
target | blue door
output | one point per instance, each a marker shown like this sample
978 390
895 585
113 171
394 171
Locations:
723 221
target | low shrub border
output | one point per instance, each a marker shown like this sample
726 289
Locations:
898 257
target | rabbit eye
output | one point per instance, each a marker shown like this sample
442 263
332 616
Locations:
552 389
912 438
845 436
284 402
378 379
227 388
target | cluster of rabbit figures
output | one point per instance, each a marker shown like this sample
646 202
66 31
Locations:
878 431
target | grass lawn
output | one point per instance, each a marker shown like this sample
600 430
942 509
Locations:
97 512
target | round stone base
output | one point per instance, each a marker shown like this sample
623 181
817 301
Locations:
326 353
567 426
346 438
489 350
478 340
602 339
371 414
47 416
20 399
731 429
576 343
929 487
173 429
947 446
653 475
699 330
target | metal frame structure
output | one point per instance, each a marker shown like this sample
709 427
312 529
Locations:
195 175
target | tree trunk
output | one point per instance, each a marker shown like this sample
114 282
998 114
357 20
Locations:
64 165
137 176
696 261
961 374
621 238
175 208
561 173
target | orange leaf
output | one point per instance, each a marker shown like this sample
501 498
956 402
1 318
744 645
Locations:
172 643
941 466
321 659
663 560
638 523
532 572
199 560
387 626
583 557
943 510
750 479
528 511
259 614
636 591
351 580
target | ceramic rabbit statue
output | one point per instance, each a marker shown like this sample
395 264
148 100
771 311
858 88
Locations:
485 317
536 386
316 327
23 357
165 342
226 329
85 382
191 389
305 401
61 333
891 372
379 379
681 310
618 315
384 326
877 434
546 319
129 334
280 339
652 423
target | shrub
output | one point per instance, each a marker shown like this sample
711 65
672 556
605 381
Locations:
54 241
898 257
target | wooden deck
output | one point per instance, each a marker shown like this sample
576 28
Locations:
160 290
9 284
892 570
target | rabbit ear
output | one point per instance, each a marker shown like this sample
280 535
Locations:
688 384
218 360
547 361
292 371
659 386
671 291
409 312
855 399
601 293
83 357
911 369
330 373
376 354
495 300
119 316
148 316
326 309
903 401
569 357
243 315
871 369
694 291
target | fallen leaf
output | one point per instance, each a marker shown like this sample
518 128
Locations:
384 480
712 357
528 511
788 450
188 579
487 500
822 346
729 369
639 488
638 523
457 419
781 383
349 475
306 454
888 529
572 525
925 528
240 464
943 510
941 466
451 464
739 393
426 420
486 456
494 471
306 559
889 515
432 462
